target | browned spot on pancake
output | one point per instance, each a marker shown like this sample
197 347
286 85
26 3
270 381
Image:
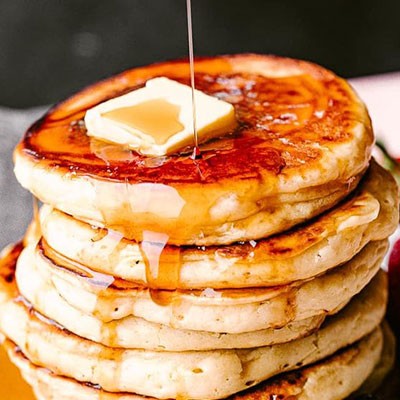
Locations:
281 120
284 387
8 263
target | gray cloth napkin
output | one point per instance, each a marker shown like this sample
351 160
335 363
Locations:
15 202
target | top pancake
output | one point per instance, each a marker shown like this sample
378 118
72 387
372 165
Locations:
303 137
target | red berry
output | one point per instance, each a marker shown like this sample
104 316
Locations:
394 259
394 288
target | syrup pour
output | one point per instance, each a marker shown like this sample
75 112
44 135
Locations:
162 263
196 151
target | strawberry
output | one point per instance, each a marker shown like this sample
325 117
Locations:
394 288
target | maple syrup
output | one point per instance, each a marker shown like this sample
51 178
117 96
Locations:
60 143
158 118
109 152
15 388
162 263
192 81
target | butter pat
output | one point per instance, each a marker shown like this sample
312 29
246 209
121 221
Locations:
158 119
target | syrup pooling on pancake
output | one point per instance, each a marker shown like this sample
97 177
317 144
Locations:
265 107
110 152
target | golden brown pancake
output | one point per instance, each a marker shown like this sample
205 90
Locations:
333 378
138 333
201 375
41 274
302 143
301 253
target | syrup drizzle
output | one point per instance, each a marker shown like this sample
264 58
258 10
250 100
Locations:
162 266
196 151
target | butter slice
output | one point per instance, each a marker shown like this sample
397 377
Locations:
158 119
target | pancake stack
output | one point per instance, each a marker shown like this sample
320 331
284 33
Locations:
252 271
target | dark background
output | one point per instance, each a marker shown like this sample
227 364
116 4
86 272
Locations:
51 48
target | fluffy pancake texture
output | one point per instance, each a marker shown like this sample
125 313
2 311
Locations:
303 141
198 375
302 253
331 379
249 270
134 332
226 312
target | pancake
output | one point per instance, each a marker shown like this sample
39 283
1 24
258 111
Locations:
303 142
40 270
330 379
196 375
132 332
384 367
302 253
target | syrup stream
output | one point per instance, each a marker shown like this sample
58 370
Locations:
192 83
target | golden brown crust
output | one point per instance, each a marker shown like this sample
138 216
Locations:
338 376
284 122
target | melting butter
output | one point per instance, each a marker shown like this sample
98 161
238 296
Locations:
158 118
